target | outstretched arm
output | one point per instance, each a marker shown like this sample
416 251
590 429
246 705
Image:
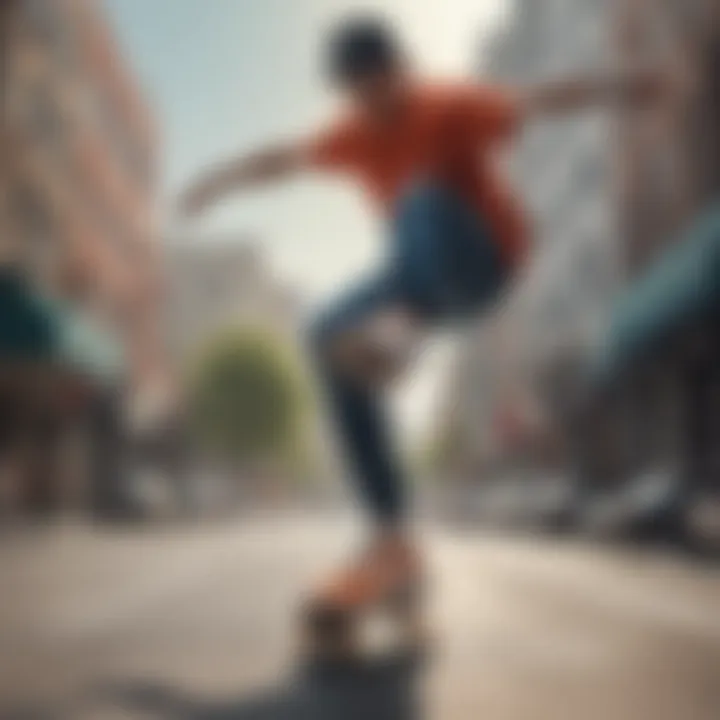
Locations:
631 87
255 169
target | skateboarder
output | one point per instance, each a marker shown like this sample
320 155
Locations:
426 153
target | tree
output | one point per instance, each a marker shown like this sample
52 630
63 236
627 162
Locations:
246 399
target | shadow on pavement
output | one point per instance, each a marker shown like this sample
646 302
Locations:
387 690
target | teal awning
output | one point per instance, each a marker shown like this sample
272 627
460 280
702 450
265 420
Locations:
683 286
89 349
37 329
28 331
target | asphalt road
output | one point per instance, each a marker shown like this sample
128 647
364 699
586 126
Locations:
197 624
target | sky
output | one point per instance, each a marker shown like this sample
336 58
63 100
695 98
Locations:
226 75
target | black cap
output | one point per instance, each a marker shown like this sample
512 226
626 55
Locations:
361 46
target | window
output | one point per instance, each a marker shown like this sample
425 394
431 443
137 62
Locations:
43 119
138 164
47 22
34 225
134 159
587 177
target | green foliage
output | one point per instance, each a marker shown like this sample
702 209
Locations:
246 398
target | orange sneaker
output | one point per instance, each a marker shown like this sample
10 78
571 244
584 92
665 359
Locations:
386 578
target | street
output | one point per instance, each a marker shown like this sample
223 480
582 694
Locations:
196 623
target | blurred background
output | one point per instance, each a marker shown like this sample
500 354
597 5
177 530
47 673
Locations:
167 484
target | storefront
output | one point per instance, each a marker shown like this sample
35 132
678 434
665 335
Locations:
59 371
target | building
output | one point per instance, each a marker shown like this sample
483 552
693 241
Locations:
81 171
668 171
216 283
78 181
561 170
668 163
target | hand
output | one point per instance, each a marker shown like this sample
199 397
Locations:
195 199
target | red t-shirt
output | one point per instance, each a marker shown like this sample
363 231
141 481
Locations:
447 133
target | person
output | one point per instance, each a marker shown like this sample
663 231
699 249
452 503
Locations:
427 154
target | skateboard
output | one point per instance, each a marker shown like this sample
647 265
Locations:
384 626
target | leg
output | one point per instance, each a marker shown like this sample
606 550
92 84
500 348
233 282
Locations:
356 407
379 349
388 566
445 265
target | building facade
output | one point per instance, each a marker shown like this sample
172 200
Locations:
668 161
217 283
78 181
563 170
668 171
80 171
